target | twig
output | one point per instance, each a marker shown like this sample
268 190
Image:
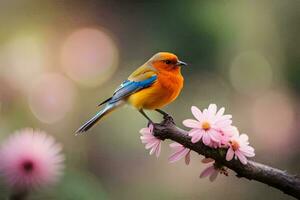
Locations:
287 183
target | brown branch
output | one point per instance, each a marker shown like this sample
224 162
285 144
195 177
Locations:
287 183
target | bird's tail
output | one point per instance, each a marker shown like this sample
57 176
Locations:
90 123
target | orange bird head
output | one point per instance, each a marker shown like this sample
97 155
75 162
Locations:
164 61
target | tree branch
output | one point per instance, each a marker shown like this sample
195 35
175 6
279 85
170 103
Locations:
287 183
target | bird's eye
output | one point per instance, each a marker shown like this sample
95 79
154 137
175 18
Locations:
168 62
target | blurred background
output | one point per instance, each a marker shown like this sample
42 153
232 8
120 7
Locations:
60 58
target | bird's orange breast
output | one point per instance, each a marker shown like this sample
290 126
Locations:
162 92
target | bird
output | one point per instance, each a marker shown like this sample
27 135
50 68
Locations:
152 86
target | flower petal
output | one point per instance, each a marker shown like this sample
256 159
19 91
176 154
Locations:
244 138
197 137
151 144
147 137
220 112
194 131
148 140
178 155
247 151
188 158
153 149
197 113
207 171
212 109
207 160
145 131
215 135
158 150
214 175
175 145
241 157
206 139
229 154
223 123
191 123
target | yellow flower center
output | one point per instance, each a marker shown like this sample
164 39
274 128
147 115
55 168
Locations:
234 144
206 126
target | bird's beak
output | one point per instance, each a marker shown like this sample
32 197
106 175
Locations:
180 63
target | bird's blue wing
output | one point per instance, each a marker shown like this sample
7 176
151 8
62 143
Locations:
128 87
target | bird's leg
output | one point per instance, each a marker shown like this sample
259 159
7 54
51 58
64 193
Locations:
144 114
167 117
162 112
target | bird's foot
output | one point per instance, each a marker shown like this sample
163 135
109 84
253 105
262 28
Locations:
165 115
168 119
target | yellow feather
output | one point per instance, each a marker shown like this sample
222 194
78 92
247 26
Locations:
162 92
142 73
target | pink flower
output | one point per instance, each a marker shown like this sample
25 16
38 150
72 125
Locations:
208 125
212 170
152 143
239 148
225 136
180 152
30 159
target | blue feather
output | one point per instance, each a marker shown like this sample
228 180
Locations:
129 87
107 109
125 89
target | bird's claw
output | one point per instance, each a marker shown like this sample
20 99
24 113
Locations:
166 116
163 113
168 119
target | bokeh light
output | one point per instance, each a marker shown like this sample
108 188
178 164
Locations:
51 97
89 56
24 60
273 120
250 73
